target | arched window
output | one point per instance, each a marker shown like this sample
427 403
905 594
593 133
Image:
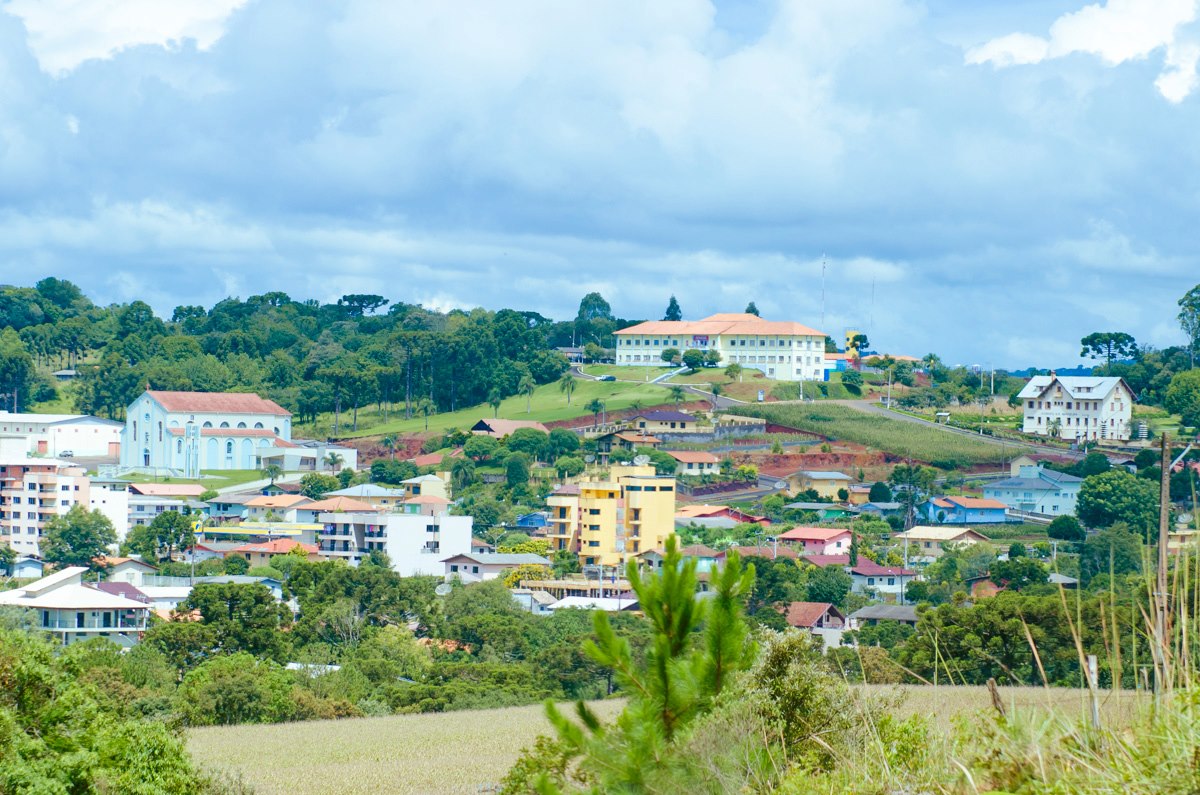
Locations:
276 431
135 429
224 424
179 445
160 431
258 426
206 424
241 425
229 448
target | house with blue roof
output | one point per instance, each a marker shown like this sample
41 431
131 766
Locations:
1037 490
964 510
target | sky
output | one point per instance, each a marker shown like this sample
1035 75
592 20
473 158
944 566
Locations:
990 181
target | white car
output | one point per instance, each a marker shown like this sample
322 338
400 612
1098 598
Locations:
67 454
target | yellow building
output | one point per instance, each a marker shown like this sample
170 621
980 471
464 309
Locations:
825 484
611 520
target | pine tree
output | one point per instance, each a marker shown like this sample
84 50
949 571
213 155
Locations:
751 309
697 646
673 310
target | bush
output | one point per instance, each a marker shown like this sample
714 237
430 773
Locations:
236 688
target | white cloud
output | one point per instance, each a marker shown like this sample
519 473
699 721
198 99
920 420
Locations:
1117 32
65 33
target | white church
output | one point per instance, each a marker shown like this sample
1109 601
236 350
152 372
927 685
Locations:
193 431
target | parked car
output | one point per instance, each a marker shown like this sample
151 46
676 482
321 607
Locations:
607 378
66 454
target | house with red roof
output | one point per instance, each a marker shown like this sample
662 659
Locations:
818 540
695 462
259 554
867 575
814 615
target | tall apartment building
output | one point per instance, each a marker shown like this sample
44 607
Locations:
612 520
782 350
416 543
33 491
1077 407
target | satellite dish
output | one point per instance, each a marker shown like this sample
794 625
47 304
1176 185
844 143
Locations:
443 589
641 460
781 485
589 458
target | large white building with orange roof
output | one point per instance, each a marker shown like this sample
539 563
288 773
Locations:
782 350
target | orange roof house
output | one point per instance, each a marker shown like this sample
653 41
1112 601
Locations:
341 505
814 615
217 403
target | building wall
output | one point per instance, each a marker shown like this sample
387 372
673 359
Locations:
31 493
113 502
785 358
415 544
1107 418
883 584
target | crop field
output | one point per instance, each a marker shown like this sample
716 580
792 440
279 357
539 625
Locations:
468 752
901 438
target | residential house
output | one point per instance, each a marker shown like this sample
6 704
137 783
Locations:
860 493
705 557
871 615
819 618
608 604
498 428
781 350
143 508
230 507
534 521
823 510
664 421
33 491
307 455
110 496
1037 490
613 520
427 486
695 462
769 552
818 540
821 561
825 484
700 514
187 432
73 611
311 511
65 435
475 567
1077 407
964 510
177 491
129 570
374 495
606 443
27 567
426 505
260 554
277 508
923 542
867 575
533 601
882 509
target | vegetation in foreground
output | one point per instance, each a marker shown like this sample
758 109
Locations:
904 439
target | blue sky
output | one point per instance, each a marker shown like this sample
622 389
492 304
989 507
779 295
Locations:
1003 178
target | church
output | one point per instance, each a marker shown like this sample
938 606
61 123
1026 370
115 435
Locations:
192 431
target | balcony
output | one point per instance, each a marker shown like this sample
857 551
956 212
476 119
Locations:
70 624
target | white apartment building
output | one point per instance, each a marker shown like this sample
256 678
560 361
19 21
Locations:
76 435
71 611
416 544
1077 407
111 498
782 350
34 490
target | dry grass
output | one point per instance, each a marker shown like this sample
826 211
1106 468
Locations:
450 752
468 752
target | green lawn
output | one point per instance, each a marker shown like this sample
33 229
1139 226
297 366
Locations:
547 405
626 373
213 478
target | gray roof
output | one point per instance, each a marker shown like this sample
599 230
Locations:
825 475
367 490
1047 480
1084 387
881 506
814 506
502 558
885 613
1061 579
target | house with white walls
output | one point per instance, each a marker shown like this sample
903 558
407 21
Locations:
1077 407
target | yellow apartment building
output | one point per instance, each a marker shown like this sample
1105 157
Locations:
613 519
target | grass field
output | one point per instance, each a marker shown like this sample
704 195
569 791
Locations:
467 752
626 373
548 404
880 432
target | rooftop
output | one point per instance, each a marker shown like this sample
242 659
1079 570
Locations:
724 323
807 614
886 613
501 559
869 568
665 415
1083 387
693 457
814 534
278 546
217 403
339 505
817 475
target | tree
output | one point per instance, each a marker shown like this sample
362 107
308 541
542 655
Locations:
910 483
561 442
316 485
879 492
1019 572
566 385
494 399
78 538
673 311
272 472
717 389
1183 396
170 531
462 473
16 369
481 448
676 394
853 379
829 584
1116 550
733 371
1117 496
712 357
425 407
569 466
526 387
333 461
1189 320
693 359
1016 550
595 406
858 343
235 689
389 444
751 309
236 564
516 470
1109 346
670 356
529 441
8 558
697 647
1066 528
243 617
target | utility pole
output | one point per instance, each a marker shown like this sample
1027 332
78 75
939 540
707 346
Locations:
1164 518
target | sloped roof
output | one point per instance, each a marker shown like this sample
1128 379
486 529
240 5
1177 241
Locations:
814 534
869 568
821 561
217 403
277 546
1082 387
665 415
339 504
886 613
724 323
807 614
367 490
64 590
927 533
500 558
693 457
278 501
819 475
167 489
498 427
760 552
427 499
968 502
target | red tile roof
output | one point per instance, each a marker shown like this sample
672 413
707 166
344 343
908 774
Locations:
814 533
427 499
433 459
724 323
693 457
278 546
167 489
807 614
869 568
821 561
217 403
760 552
340 504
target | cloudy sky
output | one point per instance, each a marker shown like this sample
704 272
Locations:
987 180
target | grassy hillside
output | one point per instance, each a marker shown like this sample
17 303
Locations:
465 752
898 437
548 404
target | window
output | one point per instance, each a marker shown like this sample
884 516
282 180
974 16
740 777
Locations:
224 424
229 448
870 581
891 580
453 567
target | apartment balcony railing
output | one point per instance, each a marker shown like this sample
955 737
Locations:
120 625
